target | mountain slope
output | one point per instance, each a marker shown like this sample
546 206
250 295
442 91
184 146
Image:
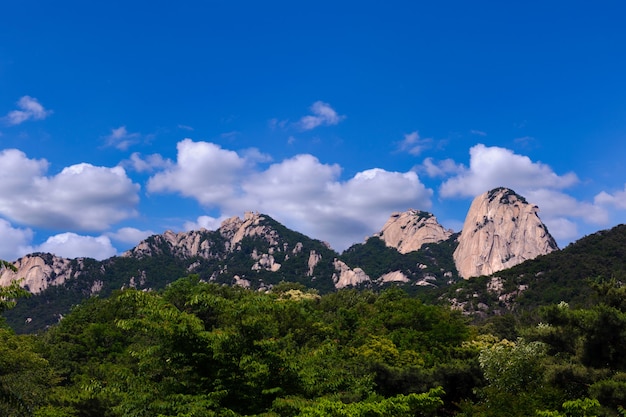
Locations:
501 230
254 252
564 275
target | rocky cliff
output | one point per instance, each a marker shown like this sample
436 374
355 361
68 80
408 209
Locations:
38 271
408 231
501 230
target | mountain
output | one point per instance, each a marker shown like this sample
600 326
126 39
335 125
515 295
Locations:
412 250
501 230
254 252
410 230
567 275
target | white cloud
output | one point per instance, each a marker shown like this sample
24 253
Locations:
492 167
308 196
121 139
130 235
413 144
203 171
562 229
30 109
14 242
80 197
440 169
71 245
323 115
300 192
617 199
205 222
554 204
255 155
147 164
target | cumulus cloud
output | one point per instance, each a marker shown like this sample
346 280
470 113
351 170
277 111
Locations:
323 115
121 138
71 245
300 192
492 167
130 235
309 197
441 168
14 242
205 222
29 109
255 155
562 229
203 171
80 197
616 200
146 164
413 144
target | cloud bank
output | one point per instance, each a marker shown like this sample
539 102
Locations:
80 197
492 167
300 192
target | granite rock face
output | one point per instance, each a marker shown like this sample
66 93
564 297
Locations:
408 231
501 230
38 271
345 276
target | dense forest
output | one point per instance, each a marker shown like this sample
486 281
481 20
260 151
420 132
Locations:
202 349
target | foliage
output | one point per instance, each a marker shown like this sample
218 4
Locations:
194 348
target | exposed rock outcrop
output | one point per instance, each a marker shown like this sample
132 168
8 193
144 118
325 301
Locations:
314 259
182 244
394 276
409 230
501 230
39 271
235 229
345 276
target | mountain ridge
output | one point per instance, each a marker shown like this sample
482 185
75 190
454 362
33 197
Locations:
412 250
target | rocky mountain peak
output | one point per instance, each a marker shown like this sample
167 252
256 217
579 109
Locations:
501 230
183 244
39 271
252 225
409 230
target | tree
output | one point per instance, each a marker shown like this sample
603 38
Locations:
25 377
10 293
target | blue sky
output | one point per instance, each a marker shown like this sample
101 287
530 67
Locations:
123 119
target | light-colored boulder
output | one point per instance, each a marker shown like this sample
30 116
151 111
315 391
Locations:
501 230
410 230
266 262
394 276
344 276
314 258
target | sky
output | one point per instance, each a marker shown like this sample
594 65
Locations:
119 120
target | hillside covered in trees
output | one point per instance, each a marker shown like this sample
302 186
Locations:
200 349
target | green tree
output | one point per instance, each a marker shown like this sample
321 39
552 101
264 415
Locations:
25 377
10 293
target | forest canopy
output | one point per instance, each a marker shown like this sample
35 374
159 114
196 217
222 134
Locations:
201 349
